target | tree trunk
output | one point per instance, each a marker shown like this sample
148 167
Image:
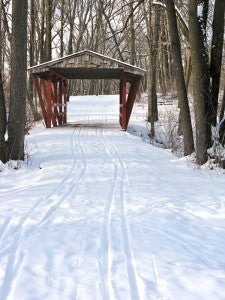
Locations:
71 27
216 55
3 122
48 40
42 33
2 100
32 49
152 22
17 107
132 36
222 109
198 73
5 21
180 81
62 18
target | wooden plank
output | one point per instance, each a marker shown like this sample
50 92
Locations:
54 101
41 100
64 100
131 98
123 116
60 102
47 88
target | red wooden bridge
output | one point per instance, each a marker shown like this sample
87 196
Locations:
51 79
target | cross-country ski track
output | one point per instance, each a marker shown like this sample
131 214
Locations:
99 214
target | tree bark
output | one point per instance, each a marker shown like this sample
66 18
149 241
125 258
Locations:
3 122
62 23
216 55
180 81
198 73
17 107
71 26
222 110
152 22
2 99
42 33
132 35
48 40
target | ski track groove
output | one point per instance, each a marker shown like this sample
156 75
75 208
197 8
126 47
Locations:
105 263
120 178
4 226
19 235
104 260
103 274
81 246
131 272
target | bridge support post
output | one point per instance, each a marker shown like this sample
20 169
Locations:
52 95
123 115
127 102
131 98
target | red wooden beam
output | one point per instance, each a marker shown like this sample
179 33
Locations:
55 103
131 98
41 100
47 89
64 100
59 101
52 94
123 117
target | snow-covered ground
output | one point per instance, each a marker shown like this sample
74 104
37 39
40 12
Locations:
98 214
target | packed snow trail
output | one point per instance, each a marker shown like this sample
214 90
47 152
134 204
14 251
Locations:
99 214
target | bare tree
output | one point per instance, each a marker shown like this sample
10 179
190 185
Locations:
17 108
197 23
216 55
180 81
3 122
3 119
152 17
48 39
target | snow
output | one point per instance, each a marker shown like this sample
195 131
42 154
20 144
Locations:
97 213
200 9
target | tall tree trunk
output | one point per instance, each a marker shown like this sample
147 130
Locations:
180 81
198 72
132 35
32 48
42 32
5 21
2 99
82 27
48 40
216 55
152 22
71 26
62 18
17 107
3 122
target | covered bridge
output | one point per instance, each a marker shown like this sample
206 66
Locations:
51 82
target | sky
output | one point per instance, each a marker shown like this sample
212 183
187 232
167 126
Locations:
99 213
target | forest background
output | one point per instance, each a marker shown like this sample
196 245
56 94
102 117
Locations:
179 43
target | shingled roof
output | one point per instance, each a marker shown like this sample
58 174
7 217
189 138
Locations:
88 65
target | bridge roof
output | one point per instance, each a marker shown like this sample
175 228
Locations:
87 65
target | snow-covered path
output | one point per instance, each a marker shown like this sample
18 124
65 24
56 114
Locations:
99 214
